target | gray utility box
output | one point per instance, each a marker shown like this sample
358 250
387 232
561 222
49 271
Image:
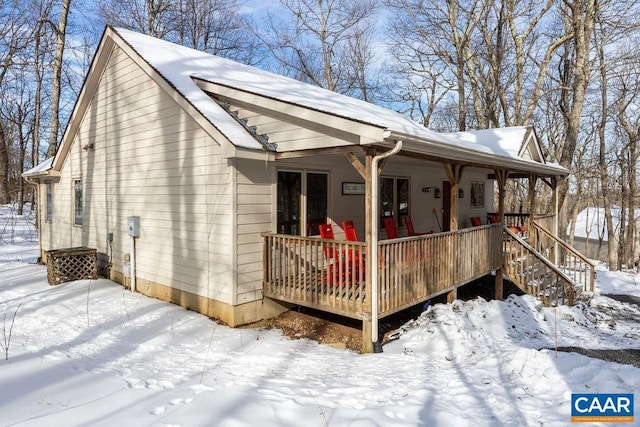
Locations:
133 226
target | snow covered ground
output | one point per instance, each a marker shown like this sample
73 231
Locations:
90 353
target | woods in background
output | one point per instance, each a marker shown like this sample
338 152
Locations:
567 67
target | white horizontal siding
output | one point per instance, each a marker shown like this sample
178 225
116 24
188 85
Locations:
292 136
254 216
152 160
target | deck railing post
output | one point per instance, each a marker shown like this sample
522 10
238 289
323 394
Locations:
453 266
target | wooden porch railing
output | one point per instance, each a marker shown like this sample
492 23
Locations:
546 220
535 274
512 219
306 270
414 269
516 219
575 265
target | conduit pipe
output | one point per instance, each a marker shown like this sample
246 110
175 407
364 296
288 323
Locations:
374 238
133 263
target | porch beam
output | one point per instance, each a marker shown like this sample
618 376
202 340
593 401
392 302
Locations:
501 177
357 164
454 175
548 181
372 343
367 343
318 152
532 193
532 201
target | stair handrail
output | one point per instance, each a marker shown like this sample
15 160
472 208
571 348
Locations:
572 250
540 257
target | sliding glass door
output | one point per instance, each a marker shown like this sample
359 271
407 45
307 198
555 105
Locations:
302 202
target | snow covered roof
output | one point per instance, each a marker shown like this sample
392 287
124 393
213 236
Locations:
40 168
180 65
183 69
507 142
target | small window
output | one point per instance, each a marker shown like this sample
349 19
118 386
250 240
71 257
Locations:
49 189
77 185
477 195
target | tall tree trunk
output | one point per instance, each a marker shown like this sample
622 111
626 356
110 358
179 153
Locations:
602 159
35 146
580 19
4 167
61 32
622 226
631 205
20 166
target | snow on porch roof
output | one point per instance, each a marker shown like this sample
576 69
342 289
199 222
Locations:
40 168
181 65
506 142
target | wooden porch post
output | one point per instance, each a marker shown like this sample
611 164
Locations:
532 203
369 229
454 174
501 177
370 319
554 201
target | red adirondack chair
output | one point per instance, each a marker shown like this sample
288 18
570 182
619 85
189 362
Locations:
340 269
410 230
349 231
351 235
390 228
326 232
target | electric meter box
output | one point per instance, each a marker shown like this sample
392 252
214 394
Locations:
133 226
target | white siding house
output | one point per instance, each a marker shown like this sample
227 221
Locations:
200 148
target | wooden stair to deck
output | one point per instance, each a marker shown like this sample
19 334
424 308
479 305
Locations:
528 266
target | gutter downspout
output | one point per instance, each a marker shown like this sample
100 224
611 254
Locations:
36 184
374 240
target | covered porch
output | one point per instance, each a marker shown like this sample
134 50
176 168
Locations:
410 270
378 276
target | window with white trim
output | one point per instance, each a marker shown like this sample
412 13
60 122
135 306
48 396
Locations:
49 190
77 190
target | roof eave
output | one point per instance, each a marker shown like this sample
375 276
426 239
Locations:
50 173
450 153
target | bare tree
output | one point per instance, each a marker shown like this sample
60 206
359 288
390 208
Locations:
497 54
214 26
151 17
579 20
60 31
626 88
16 114
440 30
605 181
319 41
4 164
14 38
359 62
